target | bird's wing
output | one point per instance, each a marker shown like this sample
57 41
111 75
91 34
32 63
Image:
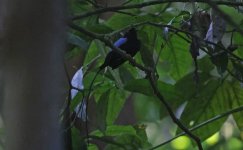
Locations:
119 42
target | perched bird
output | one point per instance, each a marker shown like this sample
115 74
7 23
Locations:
129 43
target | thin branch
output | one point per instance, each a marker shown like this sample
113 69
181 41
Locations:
234 75
149 3
171 113
149 73
157 59
235 110
125 13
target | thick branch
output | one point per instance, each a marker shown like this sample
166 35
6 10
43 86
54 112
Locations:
145 4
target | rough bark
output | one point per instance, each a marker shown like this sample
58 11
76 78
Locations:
33 73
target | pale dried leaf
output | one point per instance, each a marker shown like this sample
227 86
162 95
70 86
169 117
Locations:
77 82
216 29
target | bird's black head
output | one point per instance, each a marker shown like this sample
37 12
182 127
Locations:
131 34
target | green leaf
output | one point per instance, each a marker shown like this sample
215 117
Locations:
89 78
201 107
128 136
192 89
147 36
99 28
141 133
238 69
204 65
76 100
139 86
235 15
115 130
102 108
116 101
77 41
131 142
238 41
177 55
119 21
148 109
143 86
237 93
77 141
78 7
211 98
220 60
92 53
93 147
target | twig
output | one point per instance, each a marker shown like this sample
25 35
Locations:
157 59
235 110
171 113
125 13
149 3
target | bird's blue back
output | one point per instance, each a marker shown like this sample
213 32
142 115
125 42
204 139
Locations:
120 41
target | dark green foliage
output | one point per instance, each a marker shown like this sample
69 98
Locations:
165 51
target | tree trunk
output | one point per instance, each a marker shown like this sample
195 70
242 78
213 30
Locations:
33 73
